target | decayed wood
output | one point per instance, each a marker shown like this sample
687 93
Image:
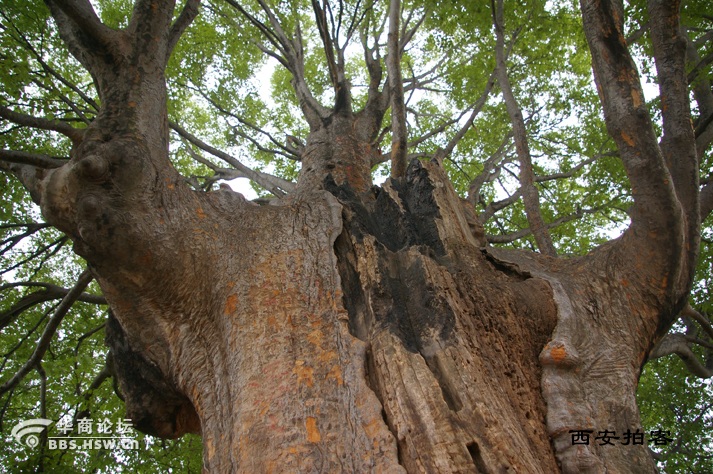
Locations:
452 348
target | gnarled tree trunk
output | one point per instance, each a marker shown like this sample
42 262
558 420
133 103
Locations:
349 328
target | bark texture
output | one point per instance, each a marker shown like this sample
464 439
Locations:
349 328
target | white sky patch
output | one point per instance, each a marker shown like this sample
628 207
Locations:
242 186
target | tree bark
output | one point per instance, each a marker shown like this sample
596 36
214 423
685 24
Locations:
348 328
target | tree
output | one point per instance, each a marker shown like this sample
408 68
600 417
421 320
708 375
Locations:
335 325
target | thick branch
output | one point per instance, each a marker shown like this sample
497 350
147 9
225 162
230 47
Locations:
530 195
32 159
377 98
29 175
677 344
58 126
678 143
85 18
396 87
293 49
188 14
292 57
43 344
656 219
327 43
263 179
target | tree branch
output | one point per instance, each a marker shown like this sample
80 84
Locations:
530 195
13 240
32 159
699 67
477 108
49 292
408 34
377 98
689 312
491 170
74 134
703 95
277 186
52 89
657 221
396 88
284 150
49 69
512 237
678 143
677 344
188 14
327 43
292 53
82 14
29 175
706 200
43 344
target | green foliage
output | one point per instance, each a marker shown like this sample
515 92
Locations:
671 399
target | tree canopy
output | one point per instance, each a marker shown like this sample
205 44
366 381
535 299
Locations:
500 94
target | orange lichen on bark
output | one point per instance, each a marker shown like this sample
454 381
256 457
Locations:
636 98
313 435
558 353
231 303
628 139
326 356
305 374
336 374
315 338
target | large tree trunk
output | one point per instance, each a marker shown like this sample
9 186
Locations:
344 330
347 328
